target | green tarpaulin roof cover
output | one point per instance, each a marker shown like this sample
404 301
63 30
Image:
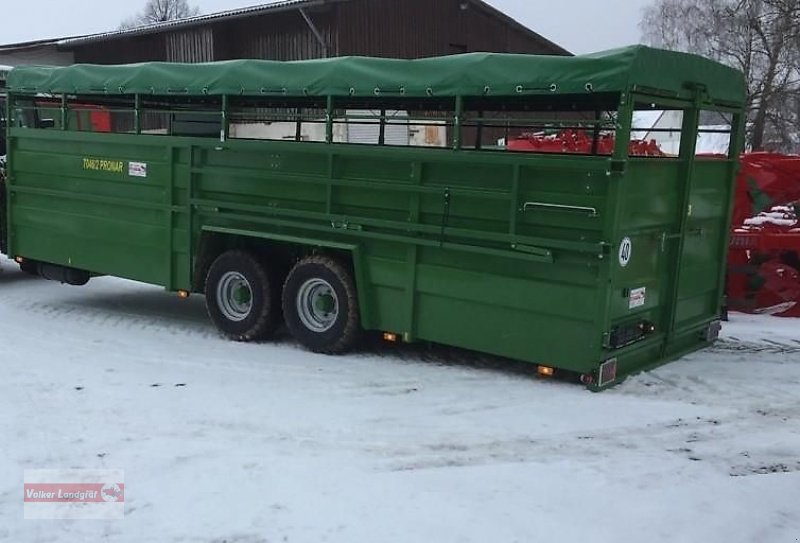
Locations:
472 74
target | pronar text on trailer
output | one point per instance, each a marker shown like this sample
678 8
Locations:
353 194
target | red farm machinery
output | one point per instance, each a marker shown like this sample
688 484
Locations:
764 258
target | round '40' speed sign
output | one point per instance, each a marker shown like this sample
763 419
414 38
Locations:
625 251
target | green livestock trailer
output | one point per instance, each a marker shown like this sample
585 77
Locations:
362 194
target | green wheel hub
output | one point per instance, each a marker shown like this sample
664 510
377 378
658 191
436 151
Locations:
317 305
234 296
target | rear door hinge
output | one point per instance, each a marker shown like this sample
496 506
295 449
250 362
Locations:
345 225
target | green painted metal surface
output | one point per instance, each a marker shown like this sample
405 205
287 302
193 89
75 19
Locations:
540 258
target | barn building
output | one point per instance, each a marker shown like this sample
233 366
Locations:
301 29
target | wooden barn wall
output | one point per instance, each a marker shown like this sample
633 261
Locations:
123 51
193 45
386 28
422 28
278 36
489 33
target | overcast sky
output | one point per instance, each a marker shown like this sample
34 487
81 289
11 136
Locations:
581 26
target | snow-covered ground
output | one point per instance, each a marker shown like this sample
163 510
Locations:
224 442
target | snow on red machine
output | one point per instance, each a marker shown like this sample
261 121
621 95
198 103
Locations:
764 259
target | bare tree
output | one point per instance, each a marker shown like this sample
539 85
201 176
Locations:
759 37
160 11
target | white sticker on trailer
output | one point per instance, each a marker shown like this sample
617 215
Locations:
638 298
137 169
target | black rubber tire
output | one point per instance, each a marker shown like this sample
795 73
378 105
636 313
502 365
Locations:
265 313
346 329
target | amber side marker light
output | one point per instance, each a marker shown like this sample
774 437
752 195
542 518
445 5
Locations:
546 371
183 294
388 336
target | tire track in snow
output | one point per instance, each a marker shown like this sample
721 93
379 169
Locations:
694 441
762 346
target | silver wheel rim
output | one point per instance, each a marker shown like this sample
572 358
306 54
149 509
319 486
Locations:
317 305
234 296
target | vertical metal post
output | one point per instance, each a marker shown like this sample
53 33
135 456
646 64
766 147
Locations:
137 114
298 131
613 217
596 132
688 151
63 112
479 132
169 205
623 128
412 254
457 122
225 131
5 210
329 113
382 129
736 145
515 205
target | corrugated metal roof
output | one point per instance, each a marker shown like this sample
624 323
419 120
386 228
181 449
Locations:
29 44
194 21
